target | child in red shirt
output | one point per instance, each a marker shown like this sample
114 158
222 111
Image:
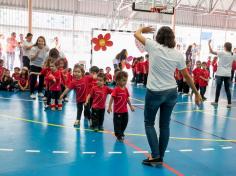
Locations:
120 97
23 81
2 69
79 83
203 80
196 73
214 65
233 70
185 85
114 76
134 63
54 81
87 109
146 69
179 79
98 94
108 75
16 74
209 64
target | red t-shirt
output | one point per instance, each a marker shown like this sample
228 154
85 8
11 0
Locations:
45 71
16 76
99 96
205 74
178 75
214 65
120 99
2 69
208 63
234 65
69 79
196 74
23 81
91 83
54 86
80 86
139 68
108 77
146 67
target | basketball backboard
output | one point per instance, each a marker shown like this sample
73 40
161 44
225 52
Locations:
158 6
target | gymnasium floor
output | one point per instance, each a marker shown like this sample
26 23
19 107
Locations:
35 142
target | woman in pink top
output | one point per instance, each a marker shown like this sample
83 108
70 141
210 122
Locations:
11 46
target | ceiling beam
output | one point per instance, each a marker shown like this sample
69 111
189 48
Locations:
213 6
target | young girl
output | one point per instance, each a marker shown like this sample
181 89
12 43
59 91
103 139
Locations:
62 65
196 74
79 84
214 65
120 97
203 80
23 82
185 85
108 75
99 95
7 81
54 81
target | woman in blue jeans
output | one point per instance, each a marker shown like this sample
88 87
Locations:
161 88
223 73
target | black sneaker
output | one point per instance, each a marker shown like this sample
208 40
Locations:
153 162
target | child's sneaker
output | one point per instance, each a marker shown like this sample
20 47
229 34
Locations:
59 108
53 109
77 123
44 98
40 94
33 96
66 99
229 106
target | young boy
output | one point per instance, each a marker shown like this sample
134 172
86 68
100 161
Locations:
120 97
87 109
54 80
203 80
99 95
108 75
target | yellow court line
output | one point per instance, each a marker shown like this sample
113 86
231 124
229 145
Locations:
108 132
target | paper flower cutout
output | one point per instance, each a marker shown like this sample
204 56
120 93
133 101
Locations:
102 42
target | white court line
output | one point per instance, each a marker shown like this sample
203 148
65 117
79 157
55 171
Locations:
225 148
186 150
6 150
89 153
32 151
207 149
60 152
115 152
167 151
138 152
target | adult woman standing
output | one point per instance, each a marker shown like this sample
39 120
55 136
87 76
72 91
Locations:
38 55
223 73
120 59
161 87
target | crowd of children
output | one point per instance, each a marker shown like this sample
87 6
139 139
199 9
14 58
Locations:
91 91
140 70
200 74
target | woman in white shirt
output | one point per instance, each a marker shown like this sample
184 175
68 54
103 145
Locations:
38 55
223 73
161 88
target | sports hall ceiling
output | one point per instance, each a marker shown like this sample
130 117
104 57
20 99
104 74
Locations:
207 13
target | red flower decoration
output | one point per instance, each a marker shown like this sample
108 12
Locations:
102 42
